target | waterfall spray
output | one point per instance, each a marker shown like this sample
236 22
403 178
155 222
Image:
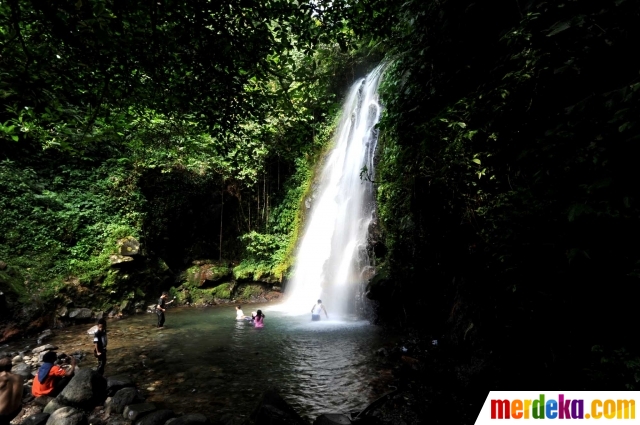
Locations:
332 254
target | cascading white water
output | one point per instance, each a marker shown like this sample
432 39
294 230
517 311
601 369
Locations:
332 254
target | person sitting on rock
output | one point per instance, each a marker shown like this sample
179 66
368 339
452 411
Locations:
51 379
10 392
258 320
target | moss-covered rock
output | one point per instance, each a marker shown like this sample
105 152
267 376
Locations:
206 274
128 246
189 295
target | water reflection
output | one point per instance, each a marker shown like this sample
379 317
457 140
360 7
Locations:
206 361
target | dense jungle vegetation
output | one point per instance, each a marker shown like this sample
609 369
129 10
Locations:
507 203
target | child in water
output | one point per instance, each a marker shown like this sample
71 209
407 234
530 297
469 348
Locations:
258 320
100 345
239 314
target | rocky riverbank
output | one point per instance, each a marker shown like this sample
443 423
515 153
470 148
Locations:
417 382
115 400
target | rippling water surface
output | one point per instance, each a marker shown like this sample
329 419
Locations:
206 361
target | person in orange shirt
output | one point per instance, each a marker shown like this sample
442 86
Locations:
50 379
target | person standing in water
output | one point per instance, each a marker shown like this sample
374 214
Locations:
161 307
316 309
100 345
258 320
239 313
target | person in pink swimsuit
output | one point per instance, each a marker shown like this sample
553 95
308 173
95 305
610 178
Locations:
258 320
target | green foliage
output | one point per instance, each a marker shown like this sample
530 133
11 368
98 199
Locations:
271 255
616 367
63 221
249 269
505 174
197 296
12 283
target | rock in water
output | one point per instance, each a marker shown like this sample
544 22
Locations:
272 409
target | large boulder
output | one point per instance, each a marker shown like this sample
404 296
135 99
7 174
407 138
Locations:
128 246
22 369
86 389
52 406
115 383
121 399
39 401
80 313
67 416
272 409
44 336
159 417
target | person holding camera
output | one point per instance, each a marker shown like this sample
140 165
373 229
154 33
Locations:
161 308
51 378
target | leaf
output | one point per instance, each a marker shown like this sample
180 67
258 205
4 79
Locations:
558 27
477 161
576 210
15 138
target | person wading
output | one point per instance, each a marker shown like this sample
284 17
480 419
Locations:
317 309
161 308
100 345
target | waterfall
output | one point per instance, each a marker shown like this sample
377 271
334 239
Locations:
332 258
